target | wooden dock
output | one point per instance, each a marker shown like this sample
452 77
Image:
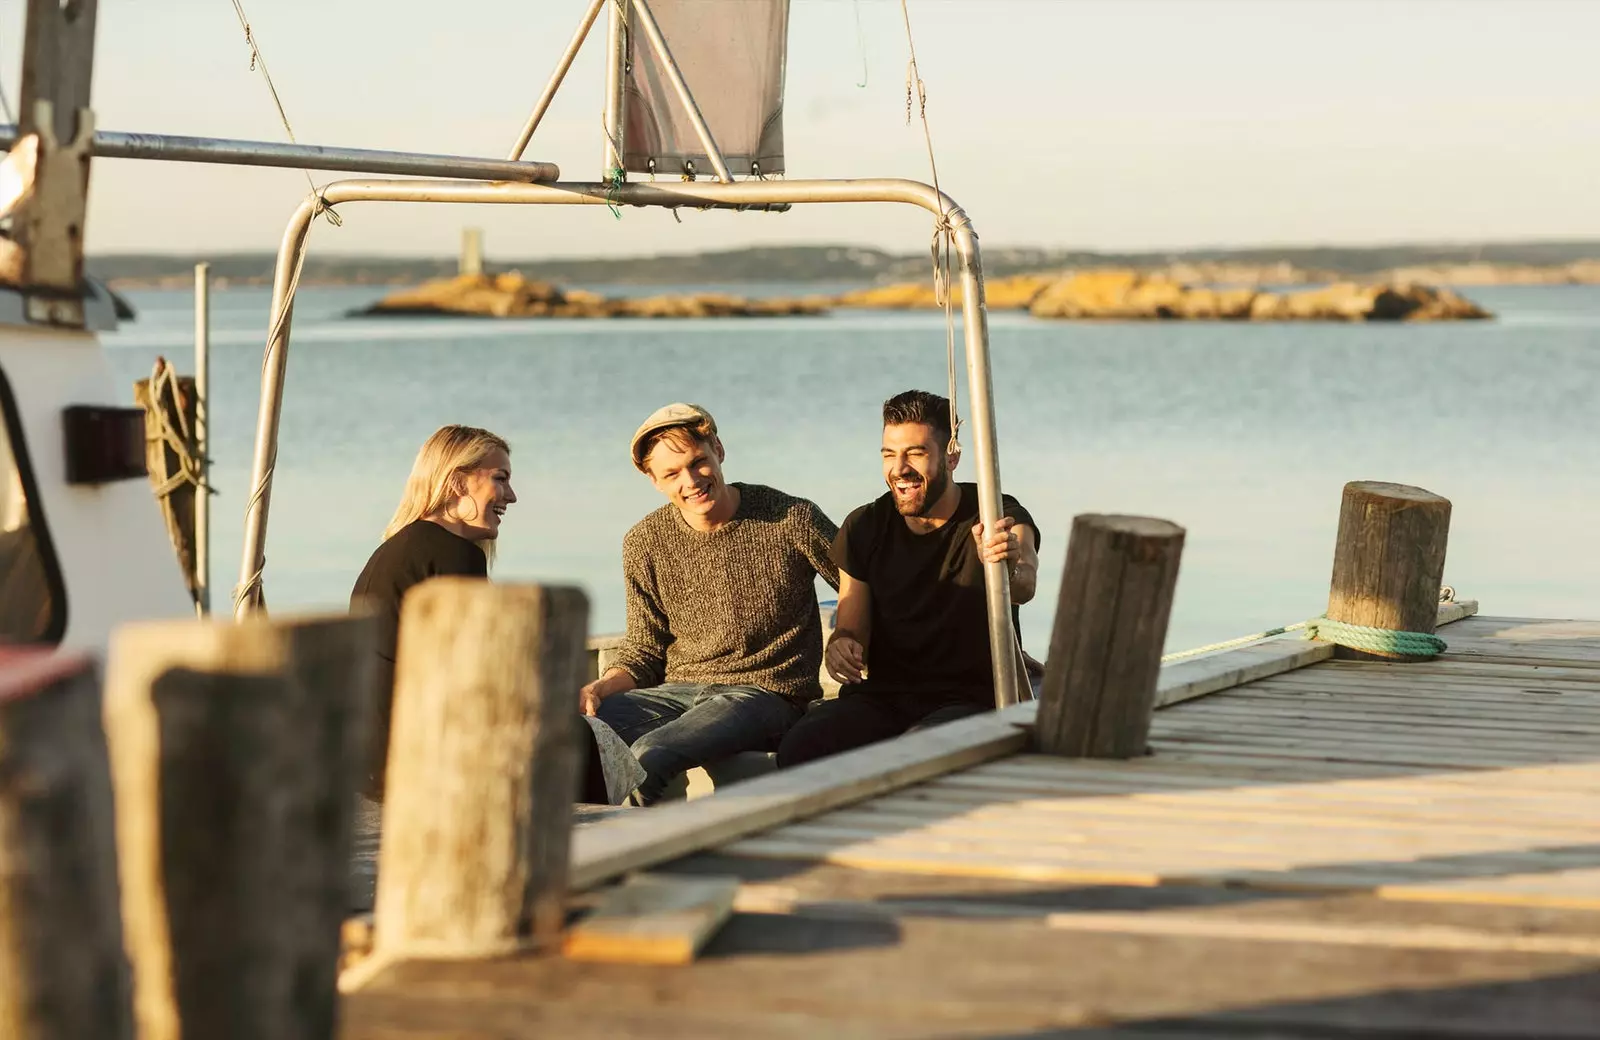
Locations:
1336 848
1354 828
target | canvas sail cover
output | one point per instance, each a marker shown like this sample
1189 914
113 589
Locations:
731 54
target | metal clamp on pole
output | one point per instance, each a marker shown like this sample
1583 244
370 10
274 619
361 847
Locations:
57 67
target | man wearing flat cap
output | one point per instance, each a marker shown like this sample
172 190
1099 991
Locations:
724 640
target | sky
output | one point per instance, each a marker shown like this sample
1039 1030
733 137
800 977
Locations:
1127 124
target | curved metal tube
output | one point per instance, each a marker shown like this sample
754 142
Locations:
109 144
248 595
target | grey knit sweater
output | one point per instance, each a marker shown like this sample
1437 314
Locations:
734 606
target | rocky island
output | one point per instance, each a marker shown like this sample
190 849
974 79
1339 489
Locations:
1131 295
510 295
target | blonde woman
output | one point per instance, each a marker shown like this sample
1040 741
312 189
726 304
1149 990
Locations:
447 523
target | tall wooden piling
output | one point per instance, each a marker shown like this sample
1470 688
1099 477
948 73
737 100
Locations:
483 769
63 973
1388 561
236 752
1111 622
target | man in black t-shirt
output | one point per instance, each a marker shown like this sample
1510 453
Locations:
911 635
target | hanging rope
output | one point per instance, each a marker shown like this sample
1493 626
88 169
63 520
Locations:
861 45
943 233
258 60
280 318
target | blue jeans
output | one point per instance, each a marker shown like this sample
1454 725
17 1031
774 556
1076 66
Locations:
675 727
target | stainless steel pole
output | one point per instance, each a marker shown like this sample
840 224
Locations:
202 436
996 578
560 74
248 595
111 145
616 73
647 20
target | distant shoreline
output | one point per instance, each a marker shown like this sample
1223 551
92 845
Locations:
1525 263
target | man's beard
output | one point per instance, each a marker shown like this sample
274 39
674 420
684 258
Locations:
931 491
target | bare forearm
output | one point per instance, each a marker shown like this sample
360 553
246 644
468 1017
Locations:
616 680
1024 581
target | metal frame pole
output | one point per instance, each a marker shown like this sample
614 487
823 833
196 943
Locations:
669 194
997 579
556 77
107 144
202 436
616 78
652 30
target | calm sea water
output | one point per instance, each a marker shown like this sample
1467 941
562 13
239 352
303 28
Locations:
1243 434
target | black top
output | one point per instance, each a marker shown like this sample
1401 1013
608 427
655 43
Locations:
930 620
420 550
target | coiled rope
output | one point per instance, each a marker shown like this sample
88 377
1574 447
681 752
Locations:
1342 633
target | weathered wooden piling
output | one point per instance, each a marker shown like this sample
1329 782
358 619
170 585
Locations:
235 751
63 973
483 769
1388 561
1111 621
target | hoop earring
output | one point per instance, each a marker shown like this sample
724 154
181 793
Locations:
463 518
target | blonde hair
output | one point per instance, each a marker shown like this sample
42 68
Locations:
434 485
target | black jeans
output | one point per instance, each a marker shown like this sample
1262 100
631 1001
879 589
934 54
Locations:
861 716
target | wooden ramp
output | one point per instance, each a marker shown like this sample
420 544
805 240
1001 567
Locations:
1345 849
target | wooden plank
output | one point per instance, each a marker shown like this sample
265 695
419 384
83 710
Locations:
1425 686
1527 815
1571 643
1186 680
1410 937
1381 734
1580 779
652 919
1530 680
1470 668
1437 719
1581 892
1538 713
1538 705
1342 751
1310 838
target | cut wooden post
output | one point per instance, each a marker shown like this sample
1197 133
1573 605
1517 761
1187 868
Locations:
483 769
1388 561
1111 621
236 752
63 973
653 919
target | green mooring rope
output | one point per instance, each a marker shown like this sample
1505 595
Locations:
1375 640
1356 637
